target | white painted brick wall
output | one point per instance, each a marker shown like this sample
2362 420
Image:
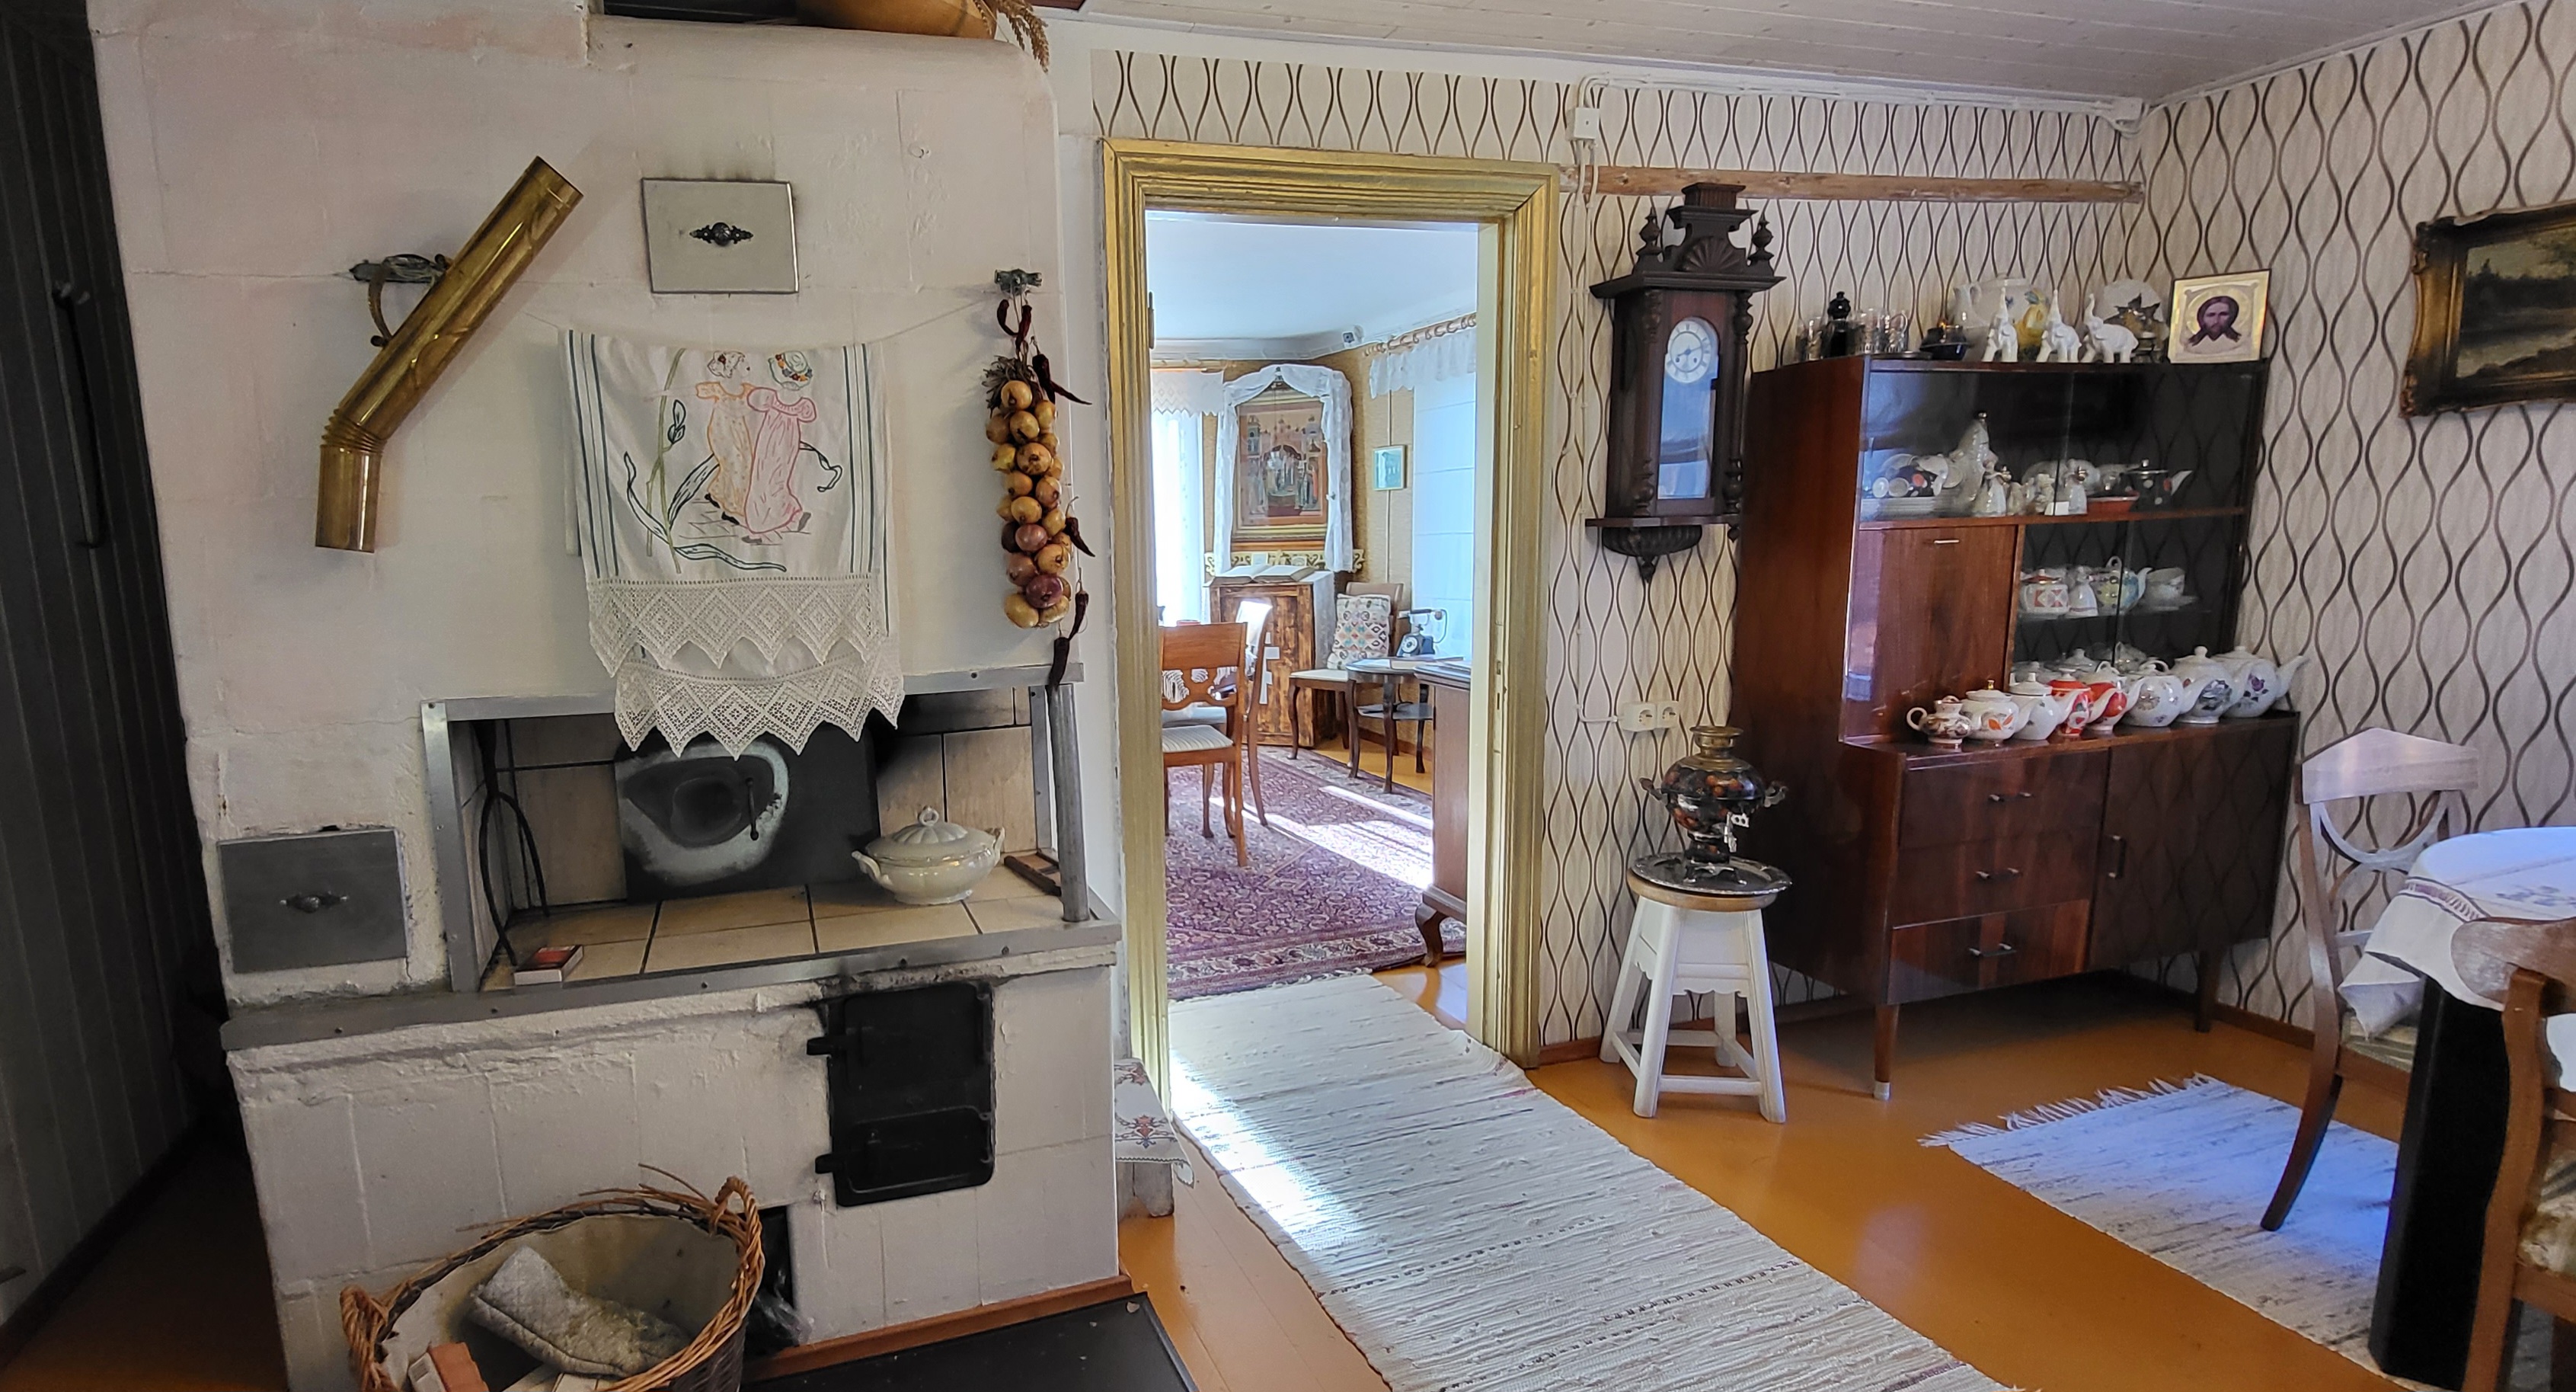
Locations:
376 1155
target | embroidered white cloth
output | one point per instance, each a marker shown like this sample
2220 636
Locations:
2515 875
730 505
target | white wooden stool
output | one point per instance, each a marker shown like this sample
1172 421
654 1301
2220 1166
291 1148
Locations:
1695 942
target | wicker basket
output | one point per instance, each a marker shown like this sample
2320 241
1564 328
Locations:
711 1362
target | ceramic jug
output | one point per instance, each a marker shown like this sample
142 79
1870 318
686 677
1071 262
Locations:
2213 687
2047 709
1993 715
1945 724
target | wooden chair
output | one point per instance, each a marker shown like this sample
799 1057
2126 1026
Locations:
1330 682
1197 659
2374 763
1254 615
2532 966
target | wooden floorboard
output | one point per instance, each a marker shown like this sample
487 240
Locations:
2032 1297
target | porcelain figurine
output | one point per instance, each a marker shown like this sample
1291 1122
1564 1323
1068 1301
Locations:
1991 311
931 861
2047 709
2213 687
2107 342
2058 341
2080 600
1994 715
1945 724
1994 497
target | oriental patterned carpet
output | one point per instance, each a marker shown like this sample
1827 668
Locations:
1332 887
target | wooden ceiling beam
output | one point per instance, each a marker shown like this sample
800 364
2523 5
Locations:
1892 188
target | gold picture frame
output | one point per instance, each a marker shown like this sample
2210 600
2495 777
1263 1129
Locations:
1281 423
2495 311
2219 318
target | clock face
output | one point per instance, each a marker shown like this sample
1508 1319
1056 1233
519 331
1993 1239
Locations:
1690 354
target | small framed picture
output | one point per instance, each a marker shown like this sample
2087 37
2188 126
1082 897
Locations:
720 237
1386 468
2218 318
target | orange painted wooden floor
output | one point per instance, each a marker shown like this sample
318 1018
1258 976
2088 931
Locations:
2033 1298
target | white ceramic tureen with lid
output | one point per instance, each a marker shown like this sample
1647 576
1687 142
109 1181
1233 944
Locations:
932 861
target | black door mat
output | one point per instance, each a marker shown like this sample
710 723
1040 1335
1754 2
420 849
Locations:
1115 1346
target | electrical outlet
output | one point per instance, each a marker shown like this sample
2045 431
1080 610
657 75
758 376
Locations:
1645 717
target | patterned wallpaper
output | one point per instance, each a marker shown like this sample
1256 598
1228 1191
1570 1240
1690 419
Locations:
1610 639
2429 565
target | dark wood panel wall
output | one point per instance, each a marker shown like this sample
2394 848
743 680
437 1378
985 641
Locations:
102 898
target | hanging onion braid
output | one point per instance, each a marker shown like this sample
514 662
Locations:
1025 26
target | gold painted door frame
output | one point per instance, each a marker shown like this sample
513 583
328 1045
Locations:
1515 205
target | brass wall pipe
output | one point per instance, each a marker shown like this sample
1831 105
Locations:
353 440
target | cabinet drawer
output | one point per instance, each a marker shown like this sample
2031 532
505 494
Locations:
2003 797
1983 877
1989 950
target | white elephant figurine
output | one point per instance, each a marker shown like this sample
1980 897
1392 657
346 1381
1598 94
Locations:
2107 342
2003 343
2058 341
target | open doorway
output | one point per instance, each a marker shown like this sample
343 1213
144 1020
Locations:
1512 210
1316 461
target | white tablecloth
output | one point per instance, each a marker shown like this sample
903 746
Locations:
2524 873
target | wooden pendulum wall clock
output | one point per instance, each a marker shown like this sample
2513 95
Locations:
1678 372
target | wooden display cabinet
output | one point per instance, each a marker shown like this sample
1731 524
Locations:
1923 872
1288 647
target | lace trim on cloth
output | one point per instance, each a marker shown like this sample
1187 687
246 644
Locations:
737 710
664 617
641 630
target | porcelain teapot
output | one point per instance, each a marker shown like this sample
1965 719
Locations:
1994 716
2047 708
2259 682
2083 704
2044 593
2213 687
2111 689
1945 724
2157 698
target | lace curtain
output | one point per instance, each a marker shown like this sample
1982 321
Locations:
1448 351
730 506
1327 386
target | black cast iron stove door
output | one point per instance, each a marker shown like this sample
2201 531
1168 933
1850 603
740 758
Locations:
910 1090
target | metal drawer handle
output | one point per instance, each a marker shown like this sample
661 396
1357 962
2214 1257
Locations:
2007 873
312 903
1998 950
2005 797
1945 541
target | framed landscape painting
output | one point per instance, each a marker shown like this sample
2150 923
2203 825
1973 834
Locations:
2495 310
